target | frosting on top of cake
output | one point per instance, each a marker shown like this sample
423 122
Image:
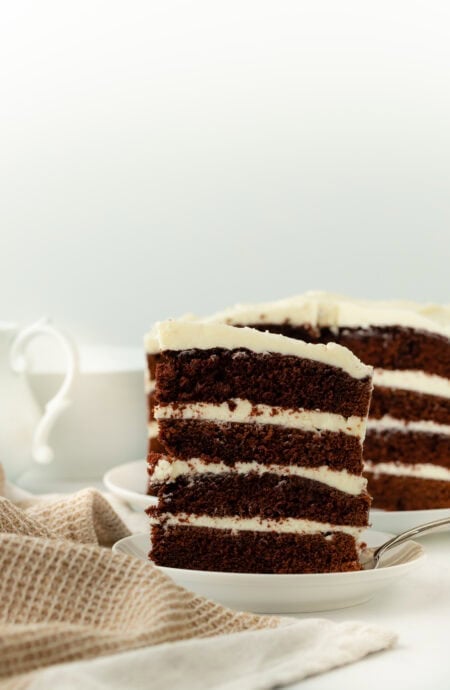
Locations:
207 335
151 339
325 309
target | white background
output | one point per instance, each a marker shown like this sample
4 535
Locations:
163 157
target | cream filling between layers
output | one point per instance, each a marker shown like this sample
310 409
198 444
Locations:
388 423
165 470
243 411
282 526
152 429
420 471
417 381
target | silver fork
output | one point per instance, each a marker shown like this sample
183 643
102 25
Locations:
370 558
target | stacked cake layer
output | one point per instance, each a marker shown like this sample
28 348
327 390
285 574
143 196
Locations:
258 466
407 447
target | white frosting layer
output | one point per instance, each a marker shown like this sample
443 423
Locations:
327 309
151 342
151 339
166 470
185 335
282 526
152 428
299 310
387 423
417 381
421 471
245 412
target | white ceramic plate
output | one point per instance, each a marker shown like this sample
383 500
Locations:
397 521
128 482
289 593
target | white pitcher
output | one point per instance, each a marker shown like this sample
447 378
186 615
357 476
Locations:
24 427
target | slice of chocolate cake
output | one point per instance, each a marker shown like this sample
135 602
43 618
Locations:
407 446
259 460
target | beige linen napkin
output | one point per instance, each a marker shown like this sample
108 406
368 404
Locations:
65 597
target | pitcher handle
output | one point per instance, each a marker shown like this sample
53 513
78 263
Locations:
41 451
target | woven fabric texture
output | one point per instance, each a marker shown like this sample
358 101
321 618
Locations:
65 596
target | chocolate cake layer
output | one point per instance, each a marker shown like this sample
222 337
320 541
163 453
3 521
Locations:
387 347
263 443
151 405
408 493
152 361
305 332
411 447
254 495
198 548
219 375
409 405
397 348
154 444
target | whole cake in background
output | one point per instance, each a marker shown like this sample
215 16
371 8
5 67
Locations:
407 446
259 460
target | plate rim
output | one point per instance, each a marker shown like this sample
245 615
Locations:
145 500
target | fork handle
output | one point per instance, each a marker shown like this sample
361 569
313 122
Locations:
404 536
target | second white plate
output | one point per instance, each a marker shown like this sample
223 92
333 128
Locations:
289 593
128 482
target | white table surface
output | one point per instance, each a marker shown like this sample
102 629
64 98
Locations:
418 610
